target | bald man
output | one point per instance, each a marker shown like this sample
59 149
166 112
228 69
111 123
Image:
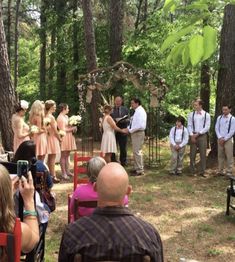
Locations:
112 231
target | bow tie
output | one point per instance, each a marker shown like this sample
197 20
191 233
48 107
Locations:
199 113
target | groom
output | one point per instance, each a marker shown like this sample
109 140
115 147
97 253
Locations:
120 111
137 130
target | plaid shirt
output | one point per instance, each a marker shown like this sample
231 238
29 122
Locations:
111 233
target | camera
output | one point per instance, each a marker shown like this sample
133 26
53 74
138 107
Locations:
22 168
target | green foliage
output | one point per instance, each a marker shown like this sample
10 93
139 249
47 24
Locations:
201 40
171 39
196 50
28 86
209 41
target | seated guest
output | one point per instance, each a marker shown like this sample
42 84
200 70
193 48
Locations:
27 151
112 231
29 226
86 191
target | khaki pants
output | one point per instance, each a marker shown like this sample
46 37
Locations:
201 145
226 152
137 140
177 157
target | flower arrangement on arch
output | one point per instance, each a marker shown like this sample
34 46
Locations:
75 120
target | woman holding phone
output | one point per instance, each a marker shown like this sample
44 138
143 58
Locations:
29 226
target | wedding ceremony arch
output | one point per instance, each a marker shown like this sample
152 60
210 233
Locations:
103 79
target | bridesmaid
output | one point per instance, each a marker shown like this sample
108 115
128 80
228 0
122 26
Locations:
68 141
20 128
36 118
53 138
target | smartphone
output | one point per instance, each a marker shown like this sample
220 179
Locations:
22 168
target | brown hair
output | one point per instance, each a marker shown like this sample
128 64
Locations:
62 106
7 214
49 104
107 108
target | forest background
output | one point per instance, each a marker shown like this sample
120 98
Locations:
51 43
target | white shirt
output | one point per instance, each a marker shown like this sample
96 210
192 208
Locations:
199 119
138 120
222 126
176 136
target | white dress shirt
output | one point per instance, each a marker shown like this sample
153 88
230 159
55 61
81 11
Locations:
138 120
222 127
199 119
176 136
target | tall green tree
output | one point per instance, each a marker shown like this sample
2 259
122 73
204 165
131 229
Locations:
225 93
43 40
8 96
90 51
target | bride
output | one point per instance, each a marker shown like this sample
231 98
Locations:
108 143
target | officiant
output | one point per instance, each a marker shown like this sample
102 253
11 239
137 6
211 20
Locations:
120 115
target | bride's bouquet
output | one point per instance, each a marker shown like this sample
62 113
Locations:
34 129
75 120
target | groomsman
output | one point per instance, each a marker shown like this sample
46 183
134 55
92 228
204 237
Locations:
225 128
199 122
120 111
137 130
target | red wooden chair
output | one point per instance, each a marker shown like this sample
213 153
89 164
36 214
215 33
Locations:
80 168
12 243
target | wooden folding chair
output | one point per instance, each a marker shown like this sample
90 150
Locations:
86 204
80 167
12 243
230 193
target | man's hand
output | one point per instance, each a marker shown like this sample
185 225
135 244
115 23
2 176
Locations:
177 147
221 141
193 139
125 131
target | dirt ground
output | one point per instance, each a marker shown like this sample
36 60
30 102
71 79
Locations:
188 211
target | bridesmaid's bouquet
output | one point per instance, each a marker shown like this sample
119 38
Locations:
34 129
46 121
62 133
75 120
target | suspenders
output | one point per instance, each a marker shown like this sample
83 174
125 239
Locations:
204 124
229 124
182 134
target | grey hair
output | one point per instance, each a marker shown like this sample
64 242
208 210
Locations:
94 166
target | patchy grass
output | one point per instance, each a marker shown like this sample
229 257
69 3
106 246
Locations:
188 212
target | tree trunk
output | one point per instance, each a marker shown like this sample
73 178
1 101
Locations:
226 78
116 16
138 14
9 18
61 51
7 97
205 86
52 63
43 38
16 44
75 45
116 29
90 50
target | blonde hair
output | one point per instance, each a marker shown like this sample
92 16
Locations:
107 109
49 104
37 109
7 214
